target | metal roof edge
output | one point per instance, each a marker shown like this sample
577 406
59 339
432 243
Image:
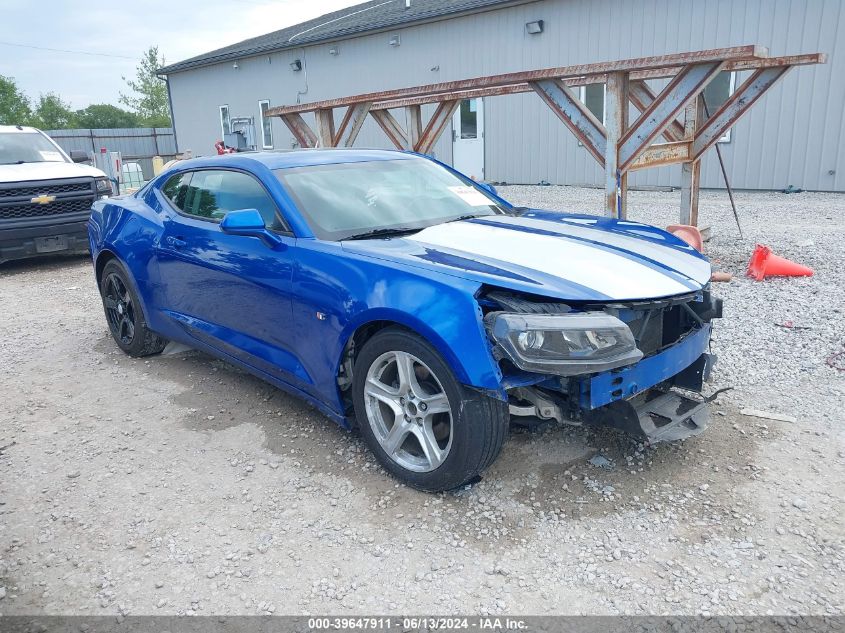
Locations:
207 60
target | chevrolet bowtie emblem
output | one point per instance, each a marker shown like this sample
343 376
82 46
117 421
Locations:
42 199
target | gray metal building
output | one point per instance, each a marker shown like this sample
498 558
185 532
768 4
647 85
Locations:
793 136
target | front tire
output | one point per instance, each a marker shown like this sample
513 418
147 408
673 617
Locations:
124 315
424 427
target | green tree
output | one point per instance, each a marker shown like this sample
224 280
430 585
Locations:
51 113
162 120
148 98
99 116
15 108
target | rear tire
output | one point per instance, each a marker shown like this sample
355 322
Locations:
124 314
424 427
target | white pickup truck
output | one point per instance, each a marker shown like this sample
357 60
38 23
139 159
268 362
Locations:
45 195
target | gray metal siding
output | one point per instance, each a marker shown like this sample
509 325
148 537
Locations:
793 136
137 145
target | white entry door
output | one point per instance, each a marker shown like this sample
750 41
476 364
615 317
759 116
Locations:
468 139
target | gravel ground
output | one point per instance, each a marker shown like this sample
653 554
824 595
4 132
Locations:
180 485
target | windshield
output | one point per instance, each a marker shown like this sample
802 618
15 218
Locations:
27 147
346 200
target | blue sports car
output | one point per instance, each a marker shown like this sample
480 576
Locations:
401 298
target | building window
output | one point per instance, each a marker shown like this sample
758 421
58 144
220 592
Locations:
469 118
225 128
592 96
266 125
717 92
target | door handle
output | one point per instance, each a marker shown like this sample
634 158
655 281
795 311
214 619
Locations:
175 242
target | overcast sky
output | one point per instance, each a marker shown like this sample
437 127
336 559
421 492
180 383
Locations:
126 28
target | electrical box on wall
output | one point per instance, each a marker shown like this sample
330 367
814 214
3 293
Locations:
242 135
236 140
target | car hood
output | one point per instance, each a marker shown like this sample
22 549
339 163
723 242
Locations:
567 256
46 171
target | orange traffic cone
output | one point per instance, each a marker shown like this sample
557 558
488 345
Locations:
690 234
763 263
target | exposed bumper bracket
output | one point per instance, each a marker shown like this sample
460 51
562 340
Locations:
538 406
666 417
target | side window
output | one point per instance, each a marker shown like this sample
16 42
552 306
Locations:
717 92
213 193
225 127
266 125
592 96
177 188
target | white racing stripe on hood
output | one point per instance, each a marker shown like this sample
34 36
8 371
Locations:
688 264
606 272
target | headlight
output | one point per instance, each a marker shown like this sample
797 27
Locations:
566 344
103 187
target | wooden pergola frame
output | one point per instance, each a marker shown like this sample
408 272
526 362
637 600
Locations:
675 114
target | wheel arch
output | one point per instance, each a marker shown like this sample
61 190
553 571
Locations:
472 366
103 258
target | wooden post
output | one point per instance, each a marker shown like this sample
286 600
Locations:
413 123
325 127
616 122
691 171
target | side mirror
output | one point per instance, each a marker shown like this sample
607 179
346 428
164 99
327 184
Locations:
488 187
79 156
249 223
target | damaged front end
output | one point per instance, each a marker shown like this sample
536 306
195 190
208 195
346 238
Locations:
629 364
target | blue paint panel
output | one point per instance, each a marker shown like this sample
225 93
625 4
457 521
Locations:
271 359
598 390
351 290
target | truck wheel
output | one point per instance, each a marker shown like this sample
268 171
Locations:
425 427
124 314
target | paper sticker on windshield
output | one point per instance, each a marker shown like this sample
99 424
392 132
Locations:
51 156
471 196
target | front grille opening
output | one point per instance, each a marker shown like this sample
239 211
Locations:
31 192
58 207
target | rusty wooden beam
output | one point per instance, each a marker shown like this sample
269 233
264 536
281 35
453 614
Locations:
638 75
442 92
661 154
352 121
575 115
684 87
737 105
735 53
392 128
459 95
642 97
303 134
438 122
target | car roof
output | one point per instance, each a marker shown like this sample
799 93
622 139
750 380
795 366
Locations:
289 159
18 129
